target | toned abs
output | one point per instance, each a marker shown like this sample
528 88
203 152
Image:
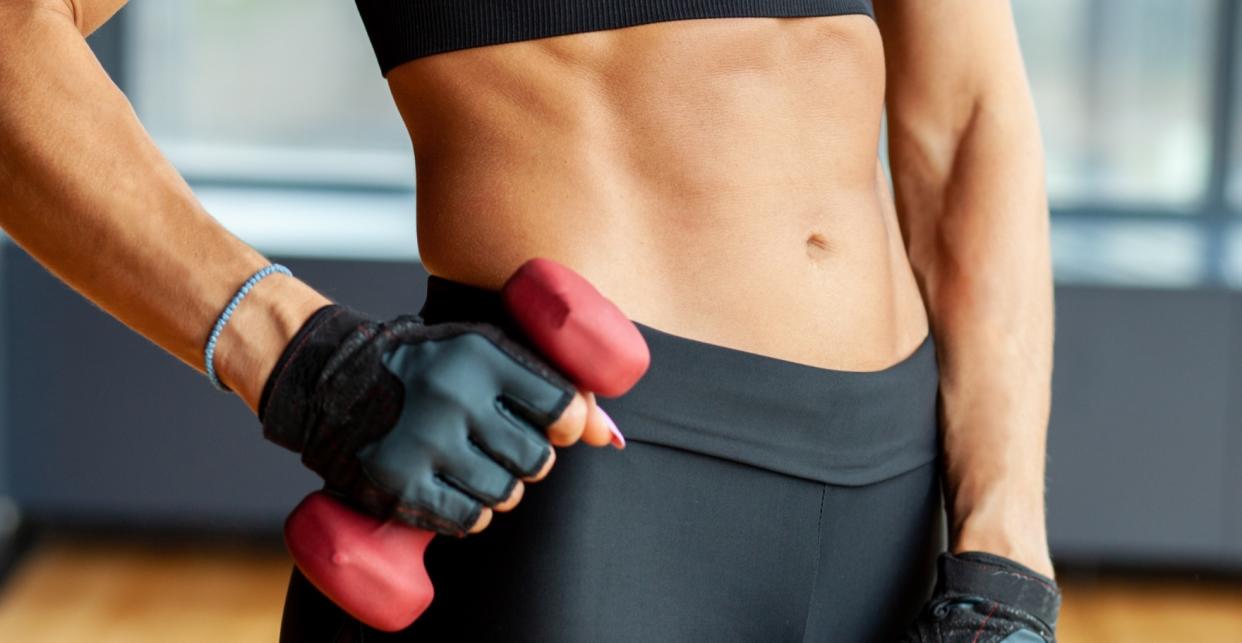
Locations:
717 178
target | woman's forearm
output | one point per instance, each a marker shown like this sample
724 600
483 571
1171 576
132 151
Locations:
85 191
986 273
968 173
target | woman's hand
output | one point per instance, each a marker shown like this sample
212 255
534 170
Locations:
433 425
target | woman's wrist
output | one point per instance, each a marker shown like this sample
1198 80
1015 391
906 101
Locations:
1009 525
259 330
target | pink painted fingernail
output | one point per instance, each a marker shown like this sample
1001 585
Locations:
618 440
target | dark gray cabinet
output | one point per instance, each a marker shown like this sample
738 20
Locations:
1142 451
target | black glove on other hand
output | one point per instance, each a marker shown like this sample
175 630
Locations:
984 598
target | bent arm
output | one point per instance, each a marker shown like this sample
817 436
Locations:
85 191
968 173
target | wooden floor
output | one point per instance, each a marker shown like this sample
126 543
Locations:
69 592
1153 610
73 592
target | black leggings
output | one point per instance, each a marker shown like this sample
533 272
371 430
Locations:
758 500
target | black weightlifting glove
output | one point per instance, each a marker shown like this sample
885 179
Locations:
426 424
983 598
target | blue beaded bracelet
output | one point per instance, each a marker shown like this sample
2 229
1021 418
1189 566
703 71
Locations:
209 352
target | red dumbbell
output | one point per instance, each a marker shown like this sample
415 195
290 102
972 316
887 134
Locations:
373 569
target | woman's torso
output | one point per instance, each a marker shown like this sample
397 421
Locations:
716 178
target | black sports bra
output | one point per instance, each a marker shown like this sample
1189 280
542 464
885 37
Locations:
402 30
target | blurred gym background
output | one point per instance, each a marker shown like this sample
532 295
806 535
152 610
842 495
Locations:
141 505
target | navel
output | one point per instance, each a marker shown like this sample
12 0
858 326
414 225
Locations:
817 247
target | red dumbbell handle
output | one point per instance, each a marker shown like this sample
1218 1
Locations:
374 569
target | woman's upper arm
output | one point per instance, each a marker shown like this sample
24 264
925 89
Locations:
956 84
944 56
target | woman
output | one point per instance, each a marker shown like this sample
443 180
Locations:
825 356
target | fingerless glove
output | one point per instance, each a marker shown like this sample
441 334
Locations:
426 424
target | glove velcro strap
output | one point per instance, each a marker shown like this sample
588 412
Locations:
285 405
1000 579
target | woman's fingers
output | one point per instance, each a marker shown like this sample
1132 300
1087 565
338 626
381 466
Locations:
514 498
547 466
583 420
486 515
568 428
598 431
485 519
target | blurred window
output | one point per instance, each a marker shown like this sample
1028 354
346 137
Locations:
1124 93
286 90
1137 252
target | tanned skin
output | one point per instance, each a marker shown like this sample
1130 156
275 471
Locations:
717 178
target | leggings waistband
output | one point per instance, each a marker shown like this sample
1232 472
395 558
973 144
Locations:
832 426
